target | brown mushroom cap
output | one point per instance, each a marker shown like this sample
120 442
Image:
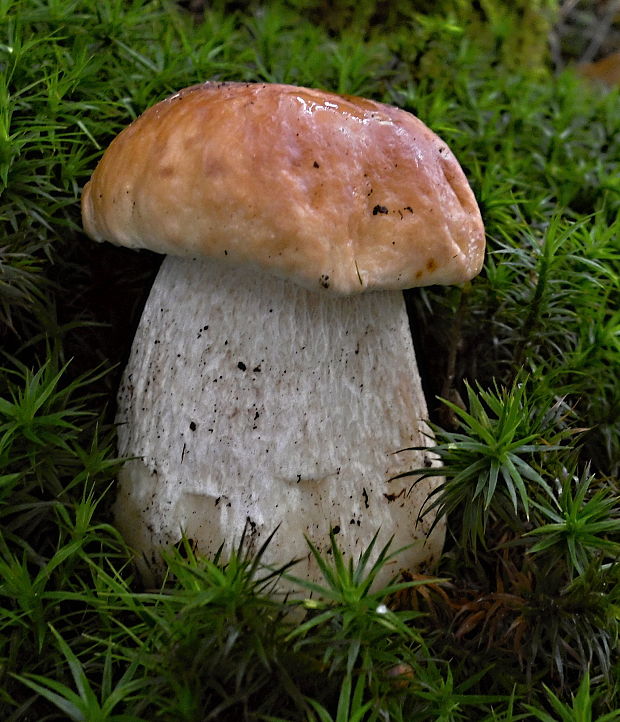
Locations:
332 192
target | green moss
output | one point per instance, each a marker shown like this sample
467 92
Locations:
531 352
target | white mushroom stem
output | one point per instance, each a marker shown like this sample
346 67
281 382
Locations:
251 402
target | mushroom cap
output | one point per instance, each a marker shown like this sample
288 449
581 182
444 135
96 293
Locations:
336 193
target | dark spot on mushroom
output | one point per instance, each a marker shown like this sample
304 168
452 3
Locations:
256 369
431 264
379 209
336 530
365 497
409 208
324 281
418 274
315 165
241 366
192 426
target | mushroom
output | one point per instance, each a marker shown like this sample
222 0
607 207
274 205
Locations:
263 390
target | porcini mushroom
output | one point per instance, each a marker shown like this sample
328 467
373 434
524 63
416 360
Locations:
263 389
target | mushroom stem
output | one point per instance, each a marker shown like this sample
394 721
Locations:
250 402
